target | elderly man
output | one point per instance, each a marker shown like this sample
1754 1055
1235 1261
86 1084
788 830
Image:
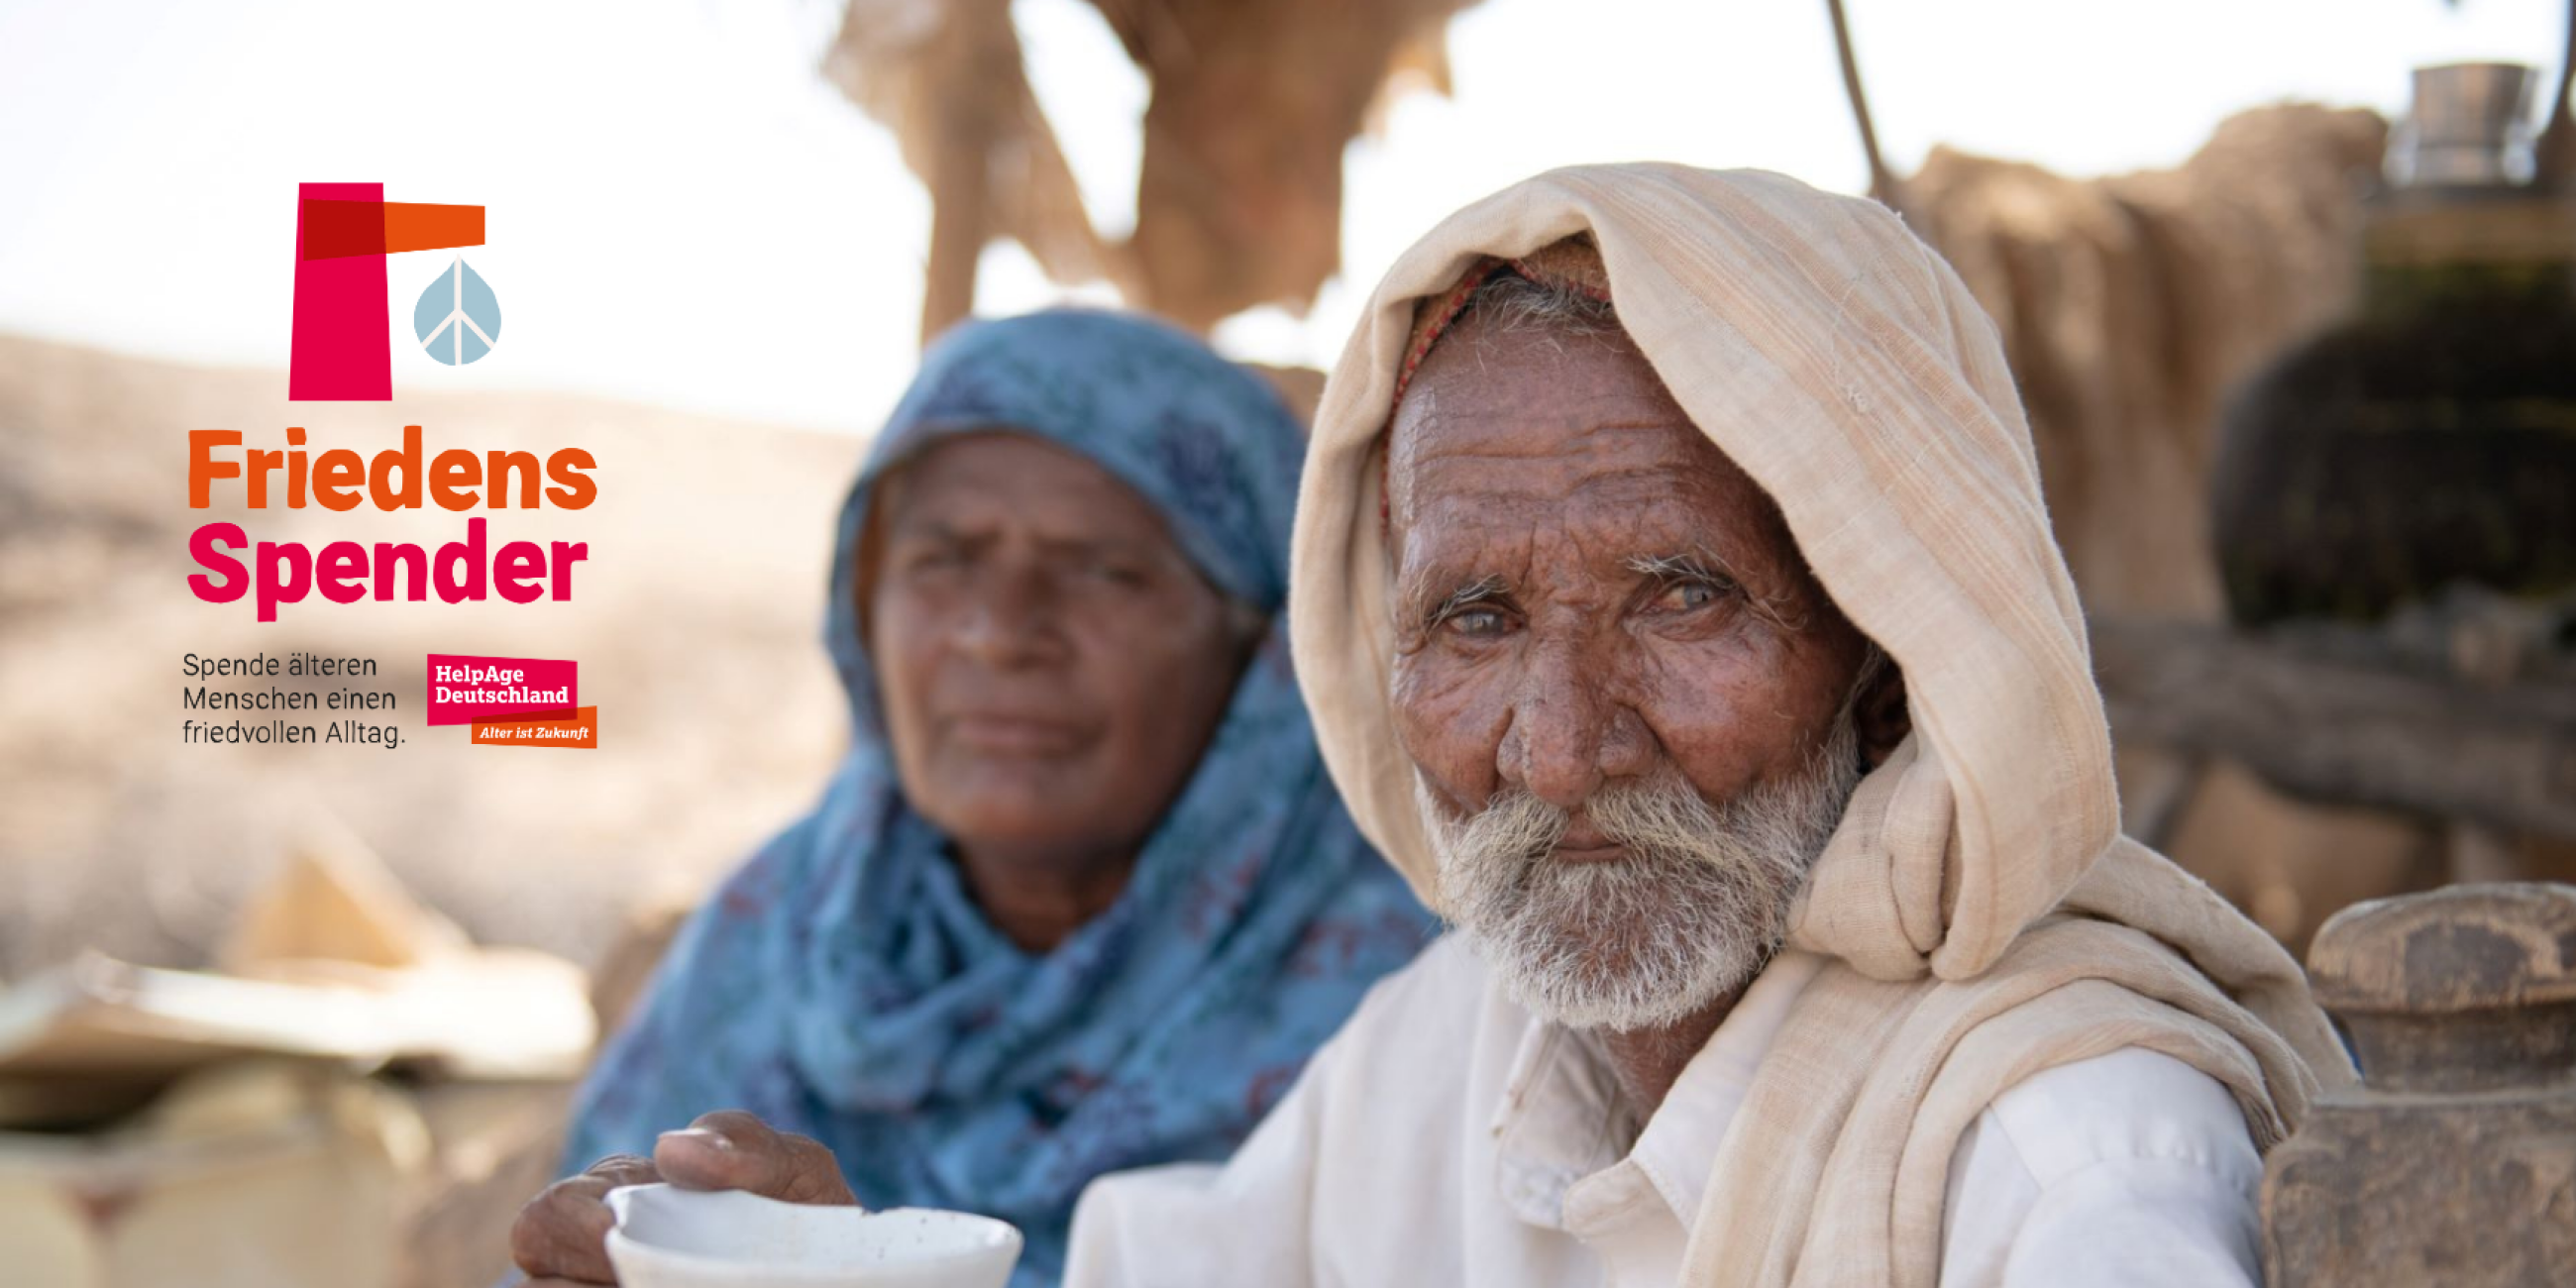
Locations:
1678 608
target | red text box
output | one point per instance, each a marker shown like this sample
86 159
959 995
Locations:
546 729
465 688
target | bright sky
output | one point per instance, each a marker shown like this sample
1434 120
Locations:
682 212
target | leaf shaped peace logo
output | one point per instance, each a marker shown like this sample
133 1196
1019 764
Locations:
458 318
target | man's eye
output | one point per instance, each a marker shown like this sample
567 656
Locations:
1686 596
1477 623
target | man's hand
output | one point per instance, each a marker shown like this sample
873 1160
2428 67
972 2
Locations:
560 1238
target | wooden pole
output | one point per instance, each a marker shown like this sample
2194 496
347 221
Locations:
2324 720
1882 184
961 175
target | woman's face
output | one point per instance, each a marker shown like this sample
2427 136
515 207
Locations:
1049 663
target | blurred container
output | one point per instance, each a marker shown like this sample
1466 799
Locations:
2431 439
219 1129
258 1175
2467 127
2453 1162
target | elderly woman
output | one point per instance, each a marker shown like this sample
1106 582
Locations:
1082 897
1678 606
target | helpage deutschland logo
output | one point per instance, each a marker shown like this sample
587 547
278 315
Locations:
511 701
342 351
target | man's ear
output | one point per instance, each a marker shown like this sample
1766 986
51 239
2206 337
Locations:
1880 717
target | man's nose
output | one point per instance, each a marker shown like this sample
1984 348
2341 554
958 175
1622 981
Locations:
1571 730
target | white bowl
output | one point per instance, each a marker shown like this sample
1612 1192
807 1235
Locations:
667 1237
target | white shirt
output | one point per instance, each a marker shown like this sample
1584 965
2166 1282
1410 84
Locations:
1445 1137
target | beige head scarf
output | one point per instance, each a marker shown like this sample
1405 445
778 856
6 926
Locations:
1986 918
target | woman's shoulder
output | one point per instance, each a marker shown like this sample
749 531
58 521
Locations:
730 945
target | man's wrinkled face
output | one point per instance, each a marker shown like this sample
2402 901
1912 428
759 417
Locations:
1636 716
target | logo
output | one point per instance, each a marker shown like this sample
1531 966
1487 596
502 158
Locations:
511 701
343 231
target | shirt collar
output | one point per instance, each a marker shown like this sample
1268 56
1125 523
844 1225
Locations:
1679 1144
1563 1118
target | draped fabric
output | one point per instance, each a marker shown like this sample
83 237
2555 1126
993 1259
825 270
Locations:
843 984
1984 917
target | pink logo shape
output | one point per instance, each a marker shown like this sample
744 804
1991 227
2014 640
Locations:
464 688
343 344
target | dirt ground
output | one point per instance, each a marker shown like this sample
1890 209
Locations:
695 622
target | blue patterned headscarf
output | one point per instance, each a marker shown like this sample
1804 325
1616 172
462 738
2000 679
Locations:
843 984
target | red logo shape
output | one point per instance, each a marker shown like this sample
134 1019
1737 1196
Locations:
578 729
465 688
343 347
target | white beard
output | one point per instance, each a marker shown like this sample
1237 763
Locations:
1693 910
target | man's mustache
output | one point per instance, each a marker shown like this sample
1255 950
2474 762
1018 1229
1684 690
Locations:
1656 818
